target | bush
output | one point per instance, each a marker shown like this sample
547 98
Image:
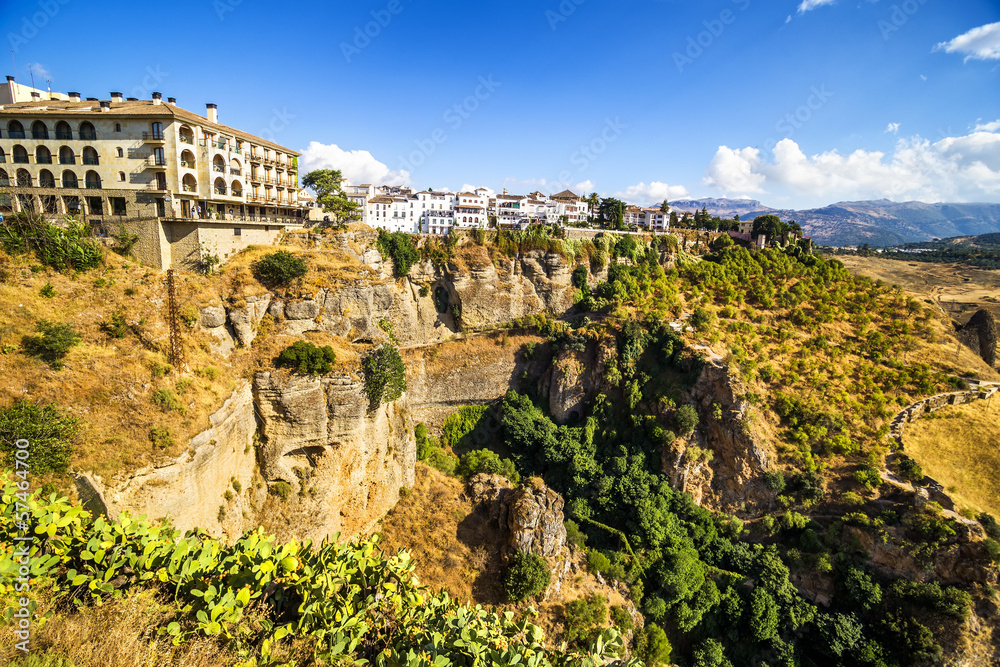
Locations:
580 274
584 619
702 319
161 437
47 291
527 575
774 480
167 400
620 619
50 435
307 359
430 451
485 461
652 646
459 428
910 469
59 247
398 246
279 268
686 418
990 525
116 327
385 375
574 535
281 488
54 343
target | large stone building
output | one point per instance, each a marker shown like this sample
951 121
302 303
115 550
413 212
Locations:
185 183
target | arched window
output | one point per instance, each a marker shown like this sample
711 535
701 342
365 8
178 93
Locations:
93 180
20 155
235 168
4 179
66 155
118 127
23 178
187 159
187 135
63 131
69 179
121 176
120 152
87 131
3 156
237 189
43 155
90 156
190 183
220 186
15 130
219 165
46 179
39 131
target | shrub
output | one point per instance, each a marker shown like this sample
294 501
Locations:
774 480
990 525
385 375
281 488
702 319
209 372
430 451
124 241
459 428
574 535
47 291
59 247
50 435
425 290
279 268
307 359
116 326
527 575
580 274
485 461
652 646
161 437
620 619
584 618
910 469
686 418
54 343
992 549
167 400
398 246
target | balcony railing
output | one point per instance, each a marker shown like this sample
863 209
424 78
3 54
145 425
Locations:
255 157
152 136
190 188
221 168
88 136
154 161
39 135
91 160
68 136
67 160
187 164
71 184
220 191
20 159
93 185
15 134
3 159
187 140
43 159
235 172
221 144
154 185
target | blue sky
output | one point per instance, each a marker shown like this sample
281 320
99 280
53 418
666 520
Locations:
794 103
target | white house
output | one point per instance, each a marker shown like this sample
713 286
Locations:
655 220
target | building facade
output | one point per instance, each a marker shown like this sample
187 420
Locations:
120 161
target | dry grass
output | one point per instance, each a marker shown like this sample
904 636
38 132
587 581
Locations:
960 447
123 633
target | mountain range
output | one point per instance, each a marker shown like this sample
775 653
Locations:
878 223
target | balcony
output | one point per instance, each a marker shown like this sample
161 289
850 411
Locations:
152 136
88 136
15 134
233 171
254 157
91 160
93 185
45 159
67 160
154 161
39 135
190 188
71 184
254 177
20 159
187 140
221 168
65 136
187 164
220 191
221 145
155 185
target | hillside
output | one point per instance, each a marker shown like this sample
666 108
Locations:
713 430
877 223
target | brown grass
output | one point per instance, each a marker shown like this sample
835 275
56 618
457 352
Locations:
959 446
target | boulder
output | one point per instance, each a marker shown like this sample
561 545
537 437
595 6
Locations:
301 310
212 317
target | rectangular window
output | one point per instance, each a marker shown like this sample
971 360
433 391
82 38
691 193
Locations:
117 205
237 231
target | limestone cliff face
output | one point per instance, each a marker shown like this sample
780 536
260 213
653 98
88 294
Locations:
343 463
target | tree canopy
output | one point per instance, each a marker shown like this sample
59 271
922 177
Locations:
328 186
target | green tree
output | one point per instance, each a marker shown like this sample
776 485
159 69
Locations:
527 575
612 213
308 359
279 268
53 344
665 207
398 246
483 460
686 418
328 186
770 226
385 375
49 434
763 615
655 647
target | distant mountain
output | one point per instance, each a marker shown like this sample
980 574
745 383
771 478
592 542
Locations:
878 223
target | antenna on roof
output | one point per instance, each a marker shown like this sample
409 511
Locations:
32 74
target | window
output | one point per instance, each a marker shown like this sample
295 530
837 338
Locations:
118 128
117 205
121 176
120 152
157 130
237 231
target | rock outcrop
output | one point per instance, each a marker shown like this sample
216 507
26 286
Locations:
529 517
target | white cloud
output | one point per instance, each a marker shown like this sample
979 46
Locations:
39 70
982 43
357 166
584 188
813 4
987 127
923 77
893 128
788 19
653 192
467 187
963 168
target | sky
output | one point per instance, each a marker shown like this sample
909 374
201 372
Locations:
797 103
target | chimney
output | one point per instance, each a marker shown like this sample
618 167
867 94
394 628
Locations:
35 96
10 79
171 100
105 105
91 99
157 98
131 99
212 113
116 97
74 97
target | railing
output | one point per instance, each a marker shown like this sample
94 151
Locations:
153 185
71 184
190 188
3 159
221 168
67 160
87 136
220 191
93 185
187 140
20 159
255 157
64 135
4 182
91 160
44 159
254 177
39 135
238 150
187 164
221 144
152 136
154 161
15 134
235 172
